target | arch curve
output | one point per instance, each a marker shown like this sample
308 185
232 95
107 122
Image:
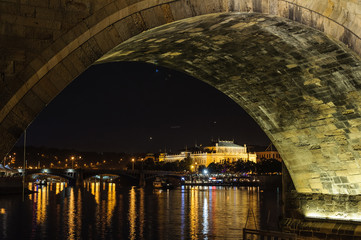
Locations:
60 50
46 45
301 87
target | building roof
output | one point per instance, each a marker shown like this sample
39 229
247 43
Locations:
227 144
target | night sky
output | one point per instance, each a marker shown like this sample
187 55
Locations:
137 107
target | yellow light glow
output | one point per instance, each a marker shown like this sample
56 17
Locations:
71 215
141 213
57 188
112 200
2 211
193 214
41 200
132 214
333 215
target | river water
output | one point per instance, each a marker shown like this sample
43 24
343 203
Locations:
111 211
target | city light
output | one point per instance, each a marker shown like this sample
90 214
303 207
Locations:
205 171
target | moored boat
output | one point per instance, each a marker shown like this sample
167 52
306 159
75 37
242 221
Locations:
162 183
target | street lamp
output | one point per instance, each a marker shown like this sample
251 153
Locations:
72 162
132 164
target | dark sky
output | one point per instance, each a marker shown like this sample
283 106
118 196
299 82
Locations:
137 107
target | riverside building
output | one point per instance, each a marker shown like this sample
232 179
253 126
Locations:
270 153
218 152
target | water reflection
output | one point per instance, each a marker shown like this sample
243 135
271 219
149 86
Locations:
132 215
109 211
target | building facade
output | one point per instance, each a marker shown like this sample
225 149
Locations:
218 152
270 153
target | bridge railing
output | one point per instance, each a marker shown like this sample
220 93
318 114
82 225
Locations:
252 234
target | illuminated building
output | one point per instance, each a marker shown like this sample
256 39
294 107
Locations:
270 153
218 152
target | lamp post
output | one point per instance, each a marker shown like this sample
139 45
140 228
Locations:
132 164
72 162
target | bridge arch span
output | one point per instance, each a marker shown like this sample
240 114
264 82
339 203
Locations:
305 93
68 175
47 44
31 176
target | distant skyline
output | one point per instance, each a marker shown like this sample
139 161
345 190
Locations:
138 107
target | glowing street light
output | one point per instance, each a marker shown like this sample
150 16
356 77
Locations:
132 164
205 171
72 160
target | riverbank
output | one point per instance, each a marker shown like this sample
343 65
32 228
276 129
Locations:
264 181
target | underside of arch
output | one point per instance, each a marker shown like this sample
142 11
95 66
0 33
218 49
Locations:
316 93
300 86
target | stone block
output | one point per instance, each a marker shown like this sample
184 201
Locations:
45 13
9 8
127 28
34 102
180 10
55 4
92 49
96 18
45 90
246 6
153 17
81 57
59 77
104 40
73 70
38 3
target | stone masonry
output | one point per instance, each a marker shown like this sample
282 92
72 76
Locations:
300 86
292 65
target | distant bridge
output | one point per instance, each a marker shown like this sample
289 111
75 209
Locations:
77 176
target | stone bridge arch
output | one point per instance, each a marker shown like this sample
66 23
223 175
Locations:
70 175
46 44
119 173
300 86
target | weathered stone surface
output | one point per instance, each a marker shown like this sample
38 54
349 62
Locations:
291 79
301 87
304 212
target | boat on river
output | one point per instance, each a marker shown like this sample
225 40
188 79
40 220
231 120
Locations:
162 183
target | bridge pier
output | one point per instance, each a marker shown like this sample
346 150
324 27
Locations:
323 216
78 178
142 182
